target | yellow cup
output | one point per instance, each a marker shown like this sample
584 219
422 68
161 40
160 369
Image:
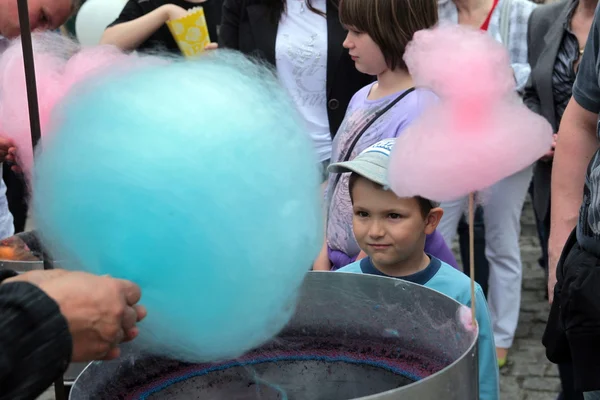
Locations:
190 32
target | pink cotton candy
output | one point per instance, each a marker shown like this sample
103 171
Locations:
478 133
60 64
465 316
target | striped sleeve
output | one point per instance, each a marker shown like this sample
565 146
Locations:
35 343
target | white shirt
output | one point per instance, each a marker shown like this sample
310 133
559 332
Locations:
6 219
301 61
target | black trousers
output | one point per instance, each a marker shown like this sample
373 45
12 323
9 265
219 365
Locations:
572 334
16 194
482 267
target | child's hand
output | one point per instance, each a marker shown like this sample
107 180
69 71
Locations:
211 46
174 12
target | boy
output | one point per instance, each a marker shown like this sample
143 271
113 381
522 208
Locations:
141 25
392 231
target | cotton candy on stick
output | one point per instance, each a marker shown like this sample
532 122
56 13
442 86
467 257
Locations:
60 63
215 218
479 133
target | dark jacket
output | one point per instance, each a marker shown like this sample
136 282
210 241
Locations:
35 343
246 26
546 30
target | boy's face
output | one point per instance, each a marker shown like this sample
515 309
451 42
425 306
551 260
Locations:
391 230
365 53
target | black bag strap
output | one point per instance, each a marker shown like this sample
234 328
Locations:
367 126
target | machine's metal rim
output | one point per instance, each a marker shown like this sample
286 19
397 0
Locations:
376 396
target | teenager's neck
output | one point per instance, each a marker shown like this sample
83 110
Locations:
473 6
407 267
390 82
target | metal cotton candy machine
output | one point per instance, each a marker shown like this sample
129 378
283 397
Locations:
352 337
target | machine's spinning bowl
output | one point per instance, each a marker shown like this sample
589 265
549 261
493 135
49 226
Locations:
352 336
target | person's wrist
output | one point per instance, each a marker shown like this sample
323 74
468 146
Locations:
6 274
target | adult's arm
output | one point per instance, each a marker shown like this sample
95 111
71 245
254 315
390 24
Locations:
230 25
35 343
575 147
133 27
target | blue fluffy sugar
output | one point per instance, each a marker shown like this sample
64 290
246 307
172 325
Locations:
196 181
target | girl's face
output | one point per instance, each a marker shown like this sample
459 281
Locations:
365 53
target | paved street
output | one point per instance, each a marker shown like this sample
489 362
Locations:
528 375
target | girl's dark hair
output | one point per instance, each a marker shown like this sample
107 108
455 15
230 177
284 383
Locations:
277 7
390 23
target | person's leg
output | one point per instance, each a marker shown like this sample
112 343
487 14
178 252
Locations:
502 215
16 194
565 371
540 228
482 269
453 211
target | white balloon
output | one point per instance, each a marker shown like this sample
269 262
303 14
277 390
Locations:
93 18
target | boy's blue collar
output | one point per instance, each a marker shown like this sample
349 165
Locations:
421 277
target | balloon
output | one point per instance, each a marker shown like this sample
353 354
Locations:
93 18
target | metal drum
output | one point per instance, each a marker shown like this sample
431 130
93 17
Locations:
352 337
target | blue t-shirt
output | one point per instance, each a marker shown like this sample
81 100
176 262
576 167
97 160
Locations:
443 278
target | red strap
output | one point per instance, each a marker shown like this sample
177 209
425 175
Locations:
486 23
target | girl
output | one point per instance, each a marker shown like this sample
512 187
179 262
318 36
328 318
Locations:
379 31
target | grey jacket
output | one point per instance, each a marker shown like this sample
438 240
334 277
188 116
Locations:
546 30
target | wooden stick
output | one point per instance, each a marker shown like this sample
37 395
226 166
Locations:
472 253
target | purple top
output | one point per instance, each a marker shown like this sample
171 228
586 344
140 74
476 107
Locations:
342 246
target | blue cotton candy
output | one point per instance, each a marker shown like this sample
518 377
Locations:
196 181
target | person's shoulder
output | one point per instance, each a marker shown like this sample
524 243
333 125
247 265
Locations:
423 97
447 271
452 283
445 9
520 10
413 104
547 13
352 268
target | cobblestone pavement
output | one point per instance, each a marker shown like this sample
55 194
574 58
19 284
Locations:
528 374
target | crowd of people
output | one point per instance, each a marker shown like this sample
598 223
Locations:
341 62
